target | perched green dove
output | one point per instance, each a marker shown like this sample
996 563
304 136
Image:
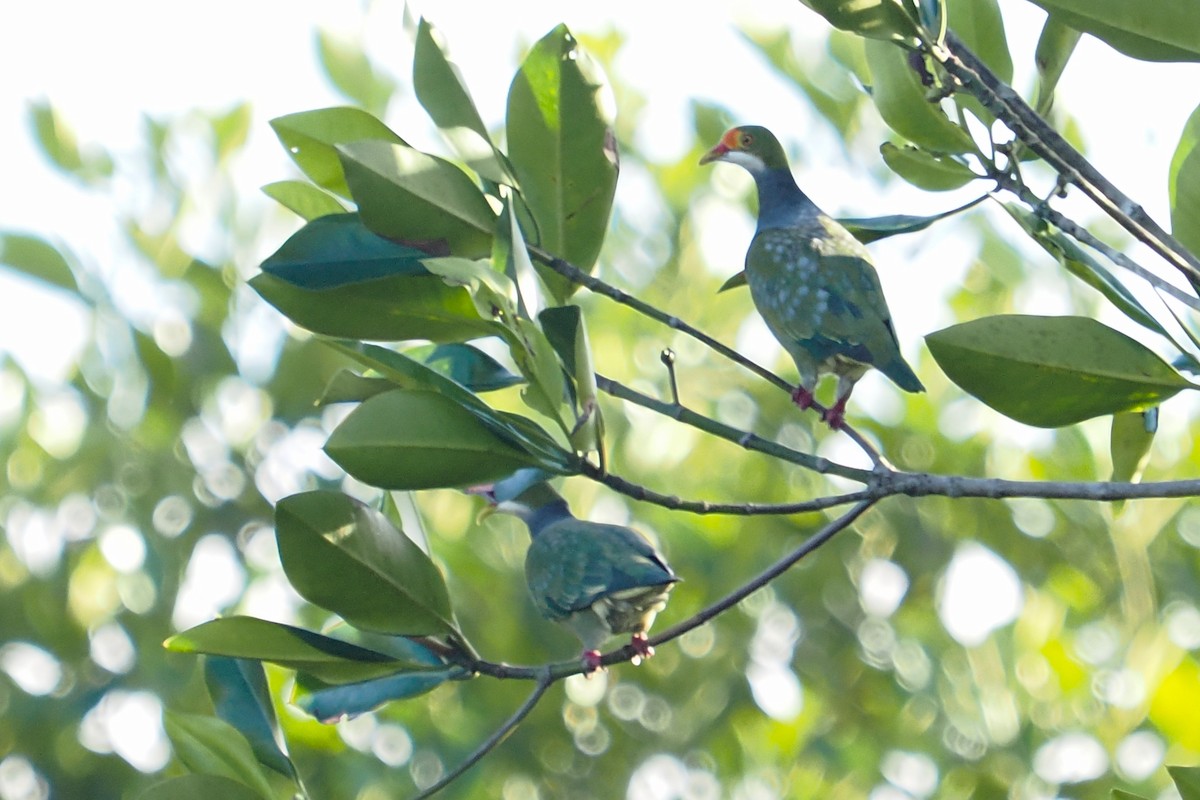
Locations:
811 280
598 580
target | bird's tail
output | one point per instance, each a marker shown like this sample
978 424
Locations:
903 376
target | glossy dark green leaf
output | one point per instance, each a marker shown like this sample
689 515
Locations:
212 746
346 557
900 97
304 199
1187 781
875 19
440 89
407 372
934 173
335 277
331 660
241 697
311 139
346 702
1151 30
36 258
468 366
1054 48
1183 185
199 787
872 229
560 141
419 439
1052 371
417 198
353 74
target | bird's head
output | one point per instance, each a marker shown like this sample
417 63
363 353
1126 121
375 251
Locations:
750 146
521 494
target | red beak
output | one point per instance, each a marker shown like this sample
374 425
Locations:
716 154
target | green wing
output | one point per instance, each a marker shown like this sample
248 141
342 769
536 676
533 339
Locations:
573 563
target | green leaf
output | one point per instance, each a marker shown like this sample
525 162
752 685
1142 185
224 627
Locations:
1054 48
212 746
346 702
311 138
417 439
560 141
1081 264
493 293
1151 30
900 97
341 555
545 389
59 144
304 199
468 366
331 660
1052 371
335 277
981 27
230 130
240 695
736 280
38 259
1129 443
875 19
564 329
347 386
925 170
1187 781
442 92
872 229
518 431
199 787
1183 186
353 74
410 196
1121 794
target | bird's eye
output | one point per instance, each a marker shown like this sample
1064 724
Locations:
747 140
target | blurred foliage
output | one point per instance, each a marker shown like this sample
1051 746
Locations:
137 501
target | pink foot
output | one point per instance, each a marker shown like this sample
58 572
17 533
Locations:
802 397
641 648
835 416
591 663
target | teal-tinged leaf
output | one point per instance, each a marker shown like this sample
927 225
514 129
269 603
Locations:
331 660
353 74
346 702
212 746
876 19
519 432
898 94
1052 371
416 198
1183 187
933 173
442 92
562 148
1151 30
1187 781
303 199
38 259
416 439
734 281
240 695
311 139
1054 48
335 277
1081 264
343 556
199 787
468 366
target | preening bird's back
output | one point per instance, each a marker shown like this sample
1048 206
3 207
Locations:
571 565
814 285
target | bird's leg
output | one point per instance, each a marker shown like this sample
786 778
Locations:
591 663
641 648
802 397
835 415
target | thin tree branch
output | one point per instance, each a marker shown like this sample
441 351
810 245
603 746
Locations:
544 681
1033 131
739 437
576 275
924 484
